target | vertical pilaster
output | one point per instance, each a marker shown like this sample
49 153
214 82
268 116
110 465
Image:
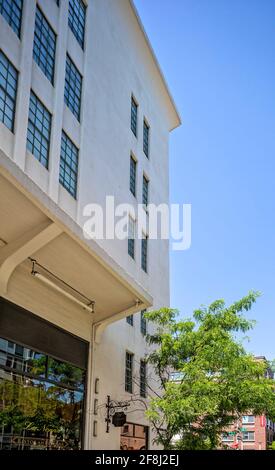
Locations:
60 65
24 83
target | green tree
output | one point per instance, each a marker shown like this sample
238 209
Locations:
216 380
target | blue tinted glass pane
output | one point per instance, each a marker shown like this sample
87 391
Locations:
39 129
134 111
146 139
11 10
133 170
73 87
68 165
76 20
129 372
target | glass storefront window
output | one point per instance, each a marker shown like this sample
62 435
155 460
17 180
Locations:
15 356
41 400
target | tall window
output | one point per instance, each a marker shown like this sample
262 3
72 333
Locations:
131 237
144 253
145 190
73 86
130 320
68 165
76 19
248 419
142 379
39 130
249 436
146 129
134 112
12 12
8 87
133 175
129 360
44 45
143 322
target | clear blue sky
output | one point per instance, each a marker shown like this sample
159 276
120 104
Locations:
219 59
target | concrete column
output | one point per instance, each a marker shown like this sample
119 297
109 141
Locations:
57 118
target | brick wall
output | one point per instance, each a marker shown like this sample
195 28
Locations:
262 428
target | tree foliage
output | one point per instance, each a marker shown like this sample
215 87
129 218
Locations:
216 380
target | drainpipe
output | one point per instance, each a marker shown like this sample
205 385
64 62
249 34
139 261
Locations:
88 441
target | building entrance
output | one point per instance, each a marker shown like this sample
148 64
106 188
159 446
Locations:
41 396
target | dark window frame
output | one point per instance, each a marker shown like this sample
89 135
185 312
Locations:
73 88
16 12
133 175
131 248
36 132
77 20
144 253
145 190
143 378
44 45
45 379
248 433
125 431
131 240
11 86
129 367
146 138
143 323
68 166
130 320
134 115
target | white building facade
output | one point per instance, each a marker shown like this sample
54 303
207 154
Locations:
85 113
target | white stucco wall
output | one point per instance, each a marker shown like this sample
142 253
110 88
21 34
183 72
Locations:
115 64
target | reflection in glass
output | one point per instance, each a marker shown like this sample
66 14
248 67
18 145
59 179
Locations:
22 359
41 400
65 373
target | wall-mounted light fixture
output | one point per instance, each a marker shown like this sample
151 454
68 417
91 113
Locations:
97 385
95 406
45 278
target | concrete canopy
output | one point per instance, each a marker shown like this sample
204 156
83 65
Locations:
56 242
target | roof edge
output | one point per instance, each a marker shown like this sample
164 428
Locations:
178 117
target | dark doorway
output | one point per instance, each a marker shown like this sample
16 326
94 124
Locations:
134 437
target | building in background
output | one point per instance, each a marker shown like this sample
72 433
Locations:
251 432
85 113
